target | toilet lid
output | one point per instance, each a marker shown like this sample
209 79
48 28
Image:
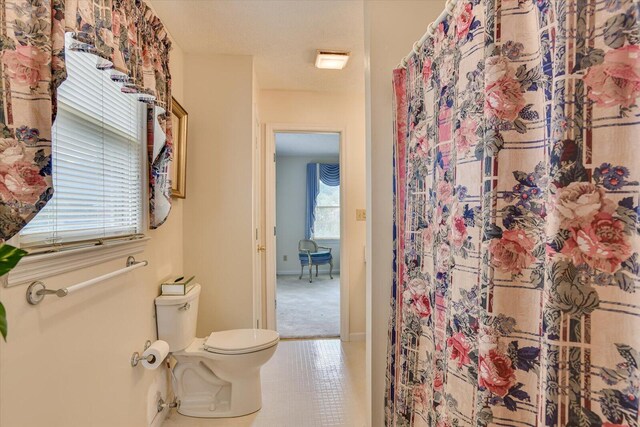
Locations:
238 341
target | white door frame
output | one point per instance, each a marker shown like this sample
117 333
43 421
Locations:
270 219
257 200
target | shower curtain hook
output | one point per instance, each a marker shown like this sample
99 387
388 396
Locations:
416 47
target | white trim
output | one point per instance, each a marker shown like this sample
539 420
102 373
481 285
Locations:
270 223
357 336
270 203
256 228
42 266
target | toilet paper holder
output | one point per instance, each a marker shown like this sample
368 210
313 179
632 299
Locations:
136 358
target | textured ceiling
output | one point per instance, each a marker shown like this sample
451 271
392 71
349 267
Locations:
281 35
307 144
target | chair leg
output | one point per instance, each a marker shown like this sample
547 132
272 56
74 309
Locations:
310 273
301 271
331 270
316 270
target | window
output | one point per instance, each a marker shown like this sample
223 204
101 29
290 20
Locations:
97 158
327 223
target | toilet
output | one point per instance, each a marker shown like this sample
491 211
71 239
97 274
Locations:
217 376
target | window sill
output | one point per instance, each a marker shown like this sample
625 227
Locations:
41 266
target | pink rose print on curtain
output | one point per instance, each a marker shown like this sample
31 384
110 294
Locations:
417 298
466 136
498 68
504 99
496 373
503 93
464 20
26 65
22 181
458 232
459 349
444 192
427 237
438 381
579 202
601 243
617 80
512 252
11 152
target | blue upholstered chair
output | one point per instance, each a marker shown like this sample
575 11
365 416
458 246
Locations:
311 254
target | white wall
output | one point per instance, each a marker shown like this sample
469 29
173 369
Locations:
66 361
345 110
391 28
291 193
218 219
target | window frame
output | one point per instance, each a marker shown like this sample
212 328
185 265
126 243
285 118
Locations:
45 260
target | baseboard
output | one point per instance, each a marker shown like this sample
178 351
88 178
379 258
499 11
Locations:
297 273
357 336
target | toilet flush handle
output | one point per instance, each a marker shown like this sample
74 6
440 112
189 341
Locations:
186 306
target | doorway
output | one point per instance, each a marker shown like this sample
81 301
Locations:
305 295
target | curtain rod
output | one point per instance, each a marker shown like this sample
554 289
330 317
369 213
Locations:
448 10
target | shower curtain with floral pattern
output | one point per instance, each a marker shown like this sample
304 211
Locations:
127 38
515 296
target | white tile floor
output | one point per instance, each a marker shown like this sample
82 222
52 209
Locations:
312 383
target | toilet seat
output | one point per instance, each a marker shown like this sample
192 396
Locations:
240 341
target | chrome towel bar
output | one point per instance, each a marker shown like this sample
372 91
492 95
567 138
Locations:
37 290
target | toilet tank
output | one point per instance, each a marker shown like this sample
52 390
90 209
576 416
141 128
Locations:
176 318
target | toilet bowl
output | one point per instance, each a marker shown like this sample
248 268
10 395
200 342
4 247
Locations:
217 376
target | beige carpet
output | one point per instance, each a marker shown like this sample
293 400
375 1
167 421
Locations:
308 310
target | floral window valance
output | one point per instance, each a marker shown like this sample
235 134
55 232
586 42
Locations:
128 39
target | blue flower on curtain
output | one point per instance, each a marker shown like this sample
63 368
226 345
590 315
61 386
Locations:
329 174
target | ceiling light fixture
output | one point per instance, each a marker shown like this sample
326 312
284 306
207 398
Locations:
332 59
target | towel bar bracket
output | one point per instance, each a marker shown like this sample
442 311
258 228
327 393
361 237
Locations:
37 291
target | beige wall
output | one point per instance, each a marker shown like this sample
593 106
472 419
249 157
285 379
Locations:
391 28
347 111
218 238
66 362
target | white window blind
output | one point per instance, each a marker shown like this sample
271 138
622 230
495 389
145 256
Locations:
97 154
327 223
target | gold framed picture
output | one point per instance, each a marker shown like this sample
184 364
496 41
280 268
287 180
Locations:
179 122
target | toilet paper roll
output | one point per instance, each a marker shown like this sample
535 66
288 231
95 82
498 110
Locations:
159 351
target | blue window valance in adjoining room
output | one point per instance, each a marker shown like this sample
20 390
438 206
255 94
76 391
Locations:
329 174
